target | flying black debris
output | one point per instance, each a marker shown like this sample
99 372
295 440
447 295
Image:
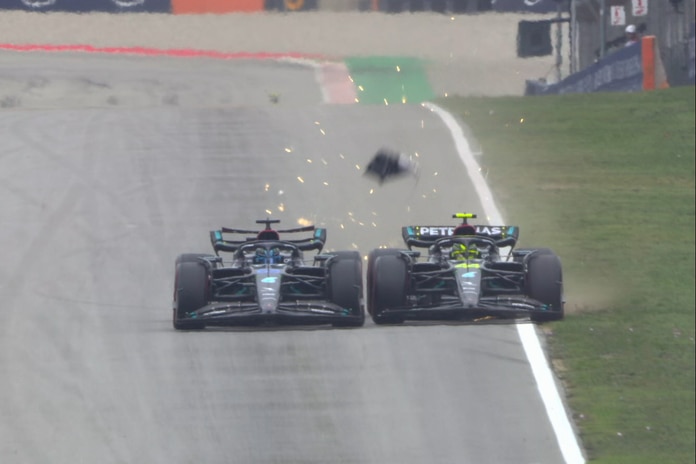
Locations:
389 163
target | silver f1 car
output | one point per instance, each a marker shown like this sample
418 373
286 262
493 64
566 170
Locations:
463 276
266 281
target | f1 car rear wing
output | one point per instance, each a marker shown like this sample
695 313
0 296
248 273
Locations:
423 236
315 242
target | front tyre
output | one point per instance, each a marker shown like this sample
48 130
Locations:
544 283
190 294
193 258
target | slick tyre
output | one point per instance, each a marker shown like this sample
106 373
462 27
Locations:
192 258
522 254
544 283
346 255
190 294
371 260
345 286
388 285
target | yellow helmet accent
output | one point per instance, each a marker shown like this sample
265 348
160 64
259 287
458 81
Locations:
459 251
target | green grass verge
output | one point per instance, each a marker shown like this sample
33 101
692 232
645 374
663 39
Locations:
607 181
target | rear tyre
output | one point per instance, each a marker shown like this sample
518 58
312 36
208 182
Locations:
544 283
345 286
387 286
190 294
521 254
371 260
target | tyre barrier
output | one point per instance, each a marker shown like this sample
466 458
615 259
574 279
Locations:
246 6
86 6
159 6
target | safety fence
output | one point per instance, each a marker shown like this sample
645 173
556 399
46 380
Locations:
239 6
630 69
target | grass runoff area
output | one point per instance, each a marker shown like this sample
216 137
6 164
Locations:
607 181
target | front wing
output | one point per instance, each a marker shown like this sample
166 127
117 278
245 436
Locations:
302 312
500 307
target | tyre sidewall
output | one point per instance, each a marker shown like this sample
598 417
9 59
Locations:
191 292
544 283
388 286
345 283
372 258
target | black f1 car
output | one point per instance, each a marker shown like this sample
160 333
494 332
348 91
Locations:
266 281
464 276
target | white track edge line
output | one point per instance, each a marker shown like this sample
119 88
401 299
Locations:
565 435
318 73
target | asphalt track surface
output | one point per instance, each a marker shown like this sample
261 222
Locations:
111 166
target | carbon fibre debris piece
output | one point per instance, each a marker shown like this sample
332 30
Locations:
387 164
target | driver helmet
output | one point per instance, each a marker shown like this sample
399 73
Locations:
461 252
264 256
260 256
274 256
